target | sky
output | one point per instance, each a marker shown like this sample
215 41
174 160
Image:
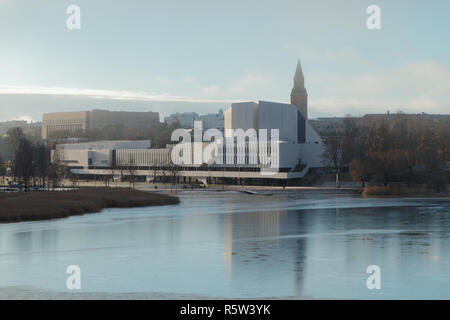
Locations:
202 55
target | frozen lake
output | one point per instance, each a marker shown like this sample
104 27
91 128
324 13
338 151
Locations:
236 245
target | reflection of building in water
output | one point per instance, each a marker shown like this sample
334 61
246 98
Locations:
256 243
247 226
228 248
256 225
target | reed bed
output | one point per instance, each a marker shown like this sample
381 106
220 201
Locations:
33 206
397 191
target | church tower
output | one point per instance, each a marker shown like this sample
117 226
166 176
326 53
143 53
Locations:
299 96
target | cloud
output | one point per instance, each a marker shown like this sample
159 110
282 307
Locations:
243 88
26 118
247 87
429 78
331 56
413 87
161 79
101 94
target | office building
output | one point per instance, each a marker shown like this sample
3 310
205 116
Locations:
76 124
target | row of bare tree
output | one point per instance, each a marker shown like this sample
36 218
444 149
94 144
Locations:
31 163
398 148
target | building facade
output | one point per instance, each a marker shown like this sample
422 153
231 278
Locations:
213 120
97 154
186 119
75 124
243 115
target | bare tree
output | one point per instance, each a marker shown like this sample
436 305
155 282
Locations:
56 172
2 170
174 174
332 156
113 172
131 168
23 162
164 172
13 138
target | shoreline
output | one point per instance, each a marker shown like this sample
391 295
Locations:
47 205
346 188
12 293
267 191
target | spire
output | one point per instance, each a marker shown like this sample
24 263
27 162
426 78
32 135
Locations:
299 96
299 77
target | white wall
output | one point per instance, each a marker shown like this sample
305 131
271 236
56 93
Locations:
243 115
280 116
99 158
104 145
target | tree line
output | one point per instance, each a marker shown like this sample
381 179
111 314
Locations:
393 149
31 164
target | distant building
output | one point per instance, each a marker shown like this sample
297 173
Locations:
213 120
24 125
186 120
5 126
328 125
74 124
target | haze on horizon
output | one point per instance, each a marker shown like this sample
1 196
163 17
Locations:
200 55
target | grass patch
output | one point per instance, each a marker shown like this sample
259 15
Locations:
397 191
33 206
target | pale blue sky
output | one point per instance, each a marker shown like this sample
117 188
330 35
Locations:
136 54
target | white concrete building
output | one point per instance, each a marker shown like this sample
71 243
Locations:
243 115
279 116
97 154
108 145
295 152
